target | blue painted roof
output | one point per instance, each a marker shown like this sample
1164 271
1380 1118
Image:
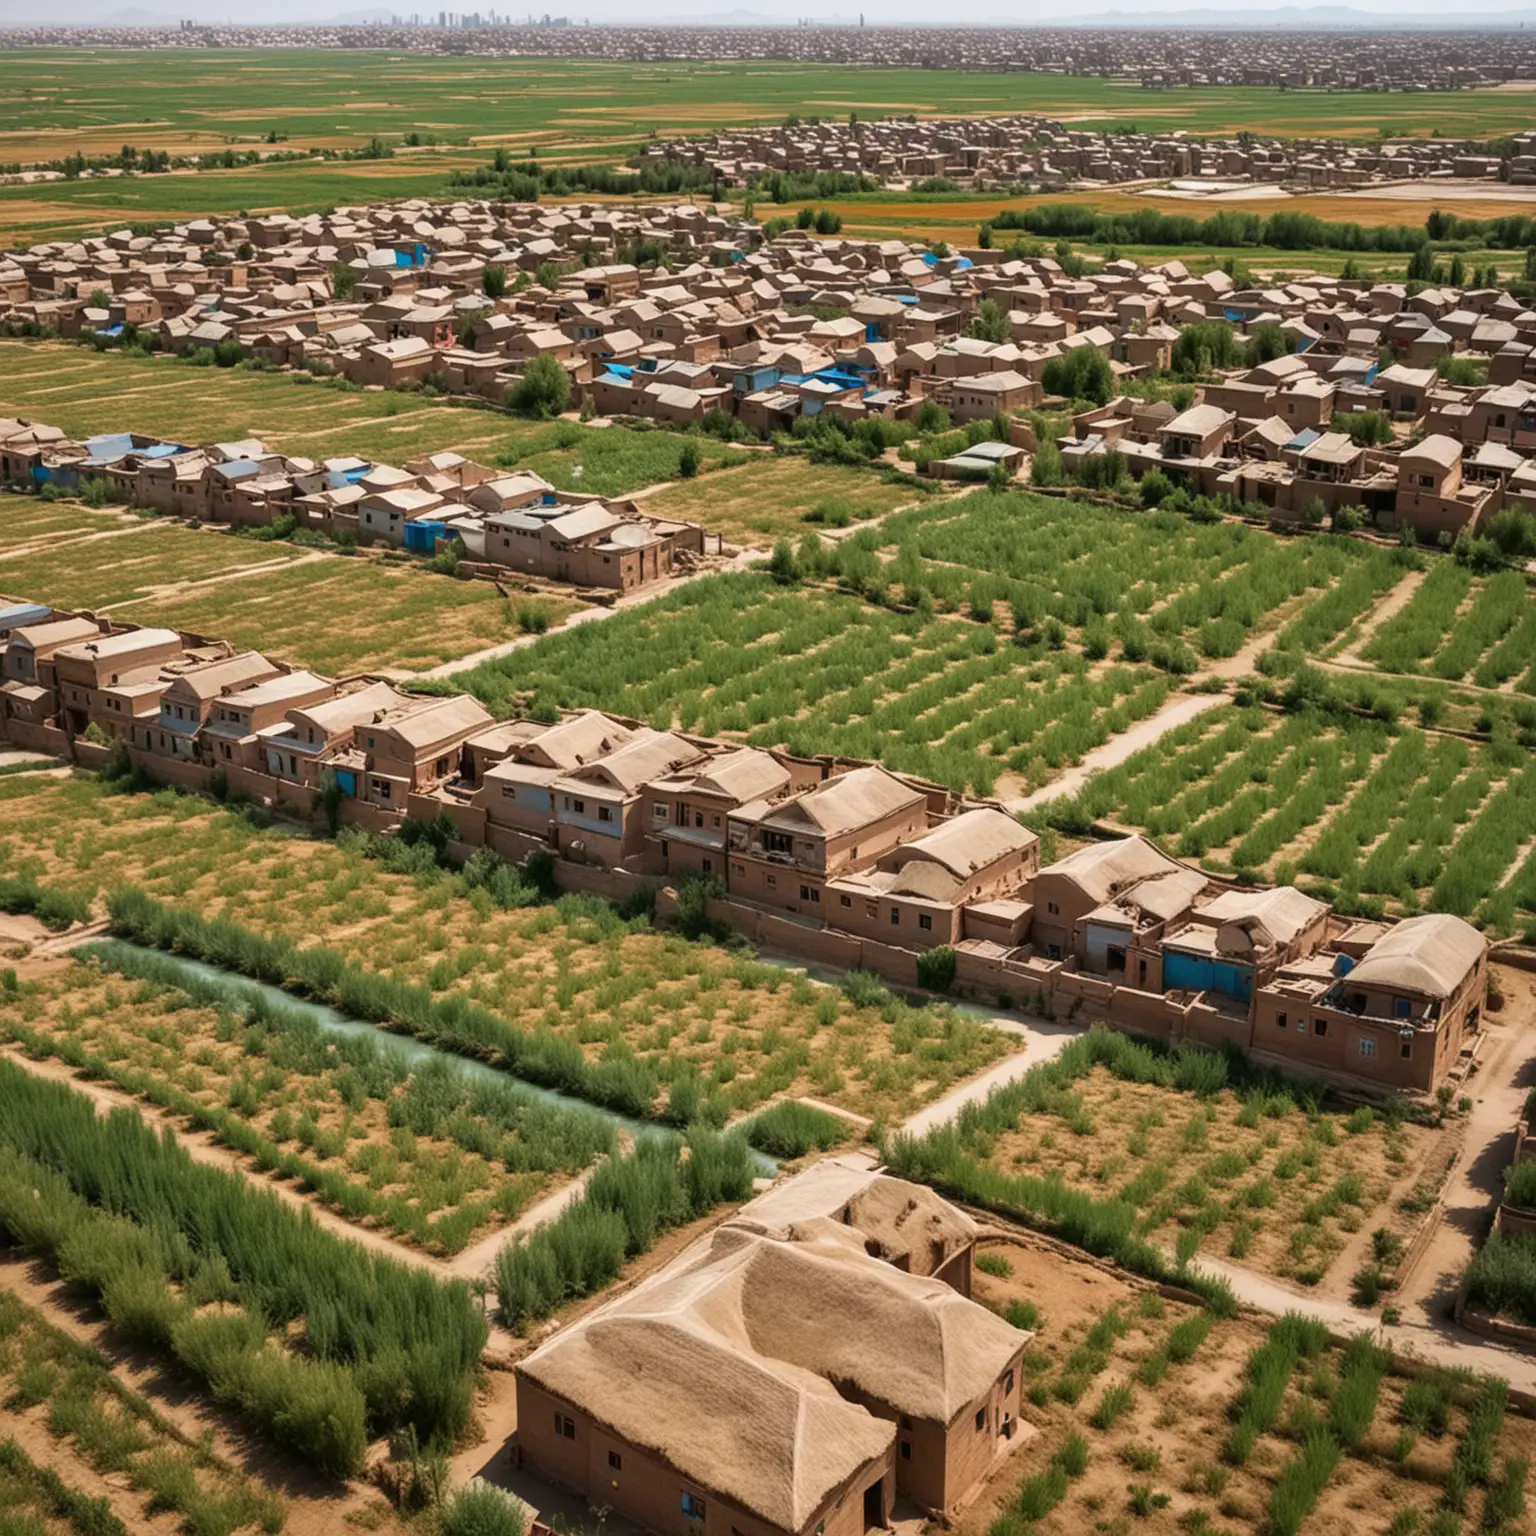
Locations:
109 445
164 450
906 298
237 469
1305 438
963 264
839 377
15 614
622 372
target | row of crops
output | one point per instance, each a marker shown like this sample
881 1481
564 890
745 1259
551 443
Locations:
1373 814
1463 628
827 672
1094 568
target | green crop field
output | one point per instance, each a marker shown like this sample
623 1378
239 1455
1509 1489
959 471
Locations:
334 613
95 101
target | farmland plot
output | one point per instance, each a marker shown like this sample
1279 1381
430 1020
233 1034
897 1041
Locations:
1374 814
715 1028
419 1152
826 672
1154 1416
321 1343
88 1431
1156 584
1461 628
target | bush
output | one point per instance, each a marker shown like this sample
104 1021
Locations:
55 909
688 460
543 391
936 968
790 1129
481 1509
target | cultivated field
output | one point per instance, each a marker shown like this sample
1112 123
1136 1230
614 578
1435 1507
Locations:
570 110
419 1152
1151 1416
666 1019
337 614
121 1464
1006 636
1256 1175
1371 816
769 497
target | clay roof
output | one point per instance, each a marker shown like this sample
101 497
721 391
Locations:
1105 869
848 802
1431 954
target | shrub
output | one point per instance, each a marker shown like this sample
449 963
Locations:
936 968
543 391
1300 1482
790 1129
481 1509
688 460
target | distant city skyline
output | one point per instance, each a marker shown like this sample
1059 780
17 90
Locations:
905 13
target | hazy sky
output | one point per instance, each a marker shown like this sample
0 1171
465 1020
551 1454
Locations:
897 12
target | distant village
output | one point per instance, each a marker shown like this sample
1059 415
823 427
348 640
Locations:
1047 154
1400 59
759 338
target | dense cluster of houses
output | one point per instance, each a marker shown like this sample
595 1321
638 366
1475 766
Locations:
1047 153
1373 59
506 523
760 334
832 859
813 1360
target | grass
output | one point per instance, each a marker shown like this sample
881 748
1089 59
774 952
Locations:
728 1033
767 498
333 613
114 1431
131 563
421 1152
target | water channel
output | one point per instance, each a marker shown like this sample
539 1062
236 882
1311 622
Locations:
410 1051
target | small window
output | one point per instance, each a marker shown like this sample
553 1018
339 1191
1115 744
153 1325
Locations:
658 812
1052 908
1367 1048
924 921
508 792
605 813
693 1507
895 915
1405 1050
1403 1008
810 893
981 1418
1280 1021
615 1461
773 880
564 1427
906 1450
1319 1026
579 806
845 901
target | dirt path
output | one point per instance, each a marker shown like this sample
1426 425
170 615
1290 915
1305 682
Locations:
182 588
1043 1041
1389 607
1473 1188
478 1259
1178 710
50 544
650 594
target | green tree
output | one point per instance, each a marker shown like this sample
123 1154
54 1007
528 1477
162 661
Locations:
688 460
543 391
494 281
991 322
343 281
